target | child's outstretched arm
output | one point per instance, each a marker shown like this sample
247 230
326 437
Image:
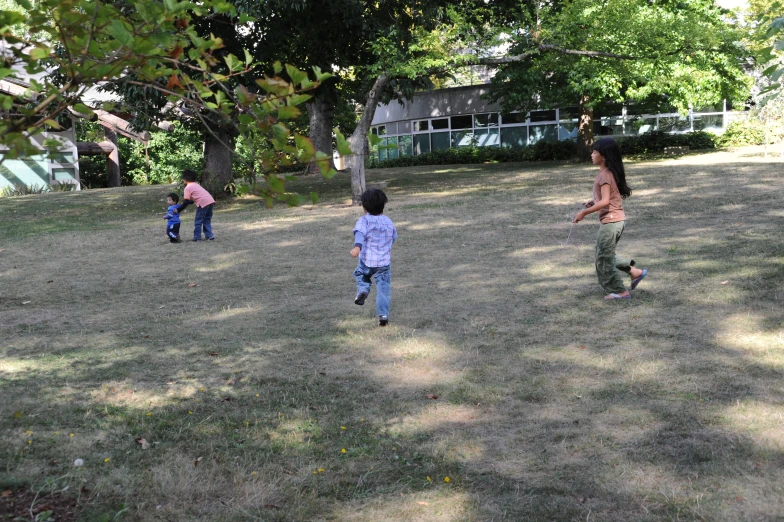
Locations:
181 207
597 205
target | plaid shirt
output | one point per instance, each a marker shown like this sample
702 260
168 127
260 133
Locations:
375 235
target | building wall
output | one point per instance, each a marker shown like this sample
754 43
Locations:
40 171
459 117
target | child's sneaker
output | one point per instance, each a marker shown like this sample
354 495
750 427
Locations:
360 298
383 320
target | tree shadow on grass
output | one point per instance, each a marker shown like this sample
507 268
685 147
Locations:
551 403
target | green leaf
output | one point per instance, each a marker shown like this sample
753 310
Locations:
245 18
120 33
288 112
248 58
305 146
18 414
320 76
83 109
374 140
53 124
40 53
314 198
277 67
299 99
344 149
295 74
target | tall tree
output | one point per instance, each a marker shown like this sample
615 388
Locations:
69 46
583 52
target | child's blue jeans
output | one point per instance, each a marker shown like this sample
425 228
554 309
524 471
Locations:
383 278
203 220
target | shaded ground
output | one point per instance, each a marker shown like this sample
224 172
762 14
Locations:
552 404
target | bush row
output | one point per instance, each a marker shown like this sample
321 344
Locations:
651 142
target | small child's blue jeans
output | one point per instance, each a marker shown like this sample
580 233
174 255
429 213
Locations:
203 220
383 278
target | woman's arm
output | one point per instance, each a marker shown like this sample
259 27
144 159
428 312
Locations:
597 206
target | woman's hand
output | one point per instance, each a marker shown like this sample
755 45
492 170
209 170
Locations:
588 204
579 217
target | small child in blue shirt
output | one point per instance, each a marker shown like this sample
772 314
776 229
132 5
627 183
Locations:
173 218
374 234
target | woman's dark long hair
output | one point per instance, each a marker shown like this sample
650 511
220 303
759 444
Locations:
611 152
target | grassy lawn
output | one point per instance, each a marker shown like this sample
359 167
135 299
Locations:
264 393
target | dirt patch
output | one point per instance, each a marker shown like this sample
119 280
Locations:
26 505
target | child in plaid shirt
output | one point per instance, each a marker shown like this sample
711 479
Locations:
374 234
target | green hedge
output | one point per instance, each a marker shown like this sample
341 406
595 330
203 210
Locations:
656 141
542 151
651 142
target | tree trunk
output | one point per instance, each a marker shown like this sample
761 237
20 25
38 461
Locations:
218 151
112 160
585 129
358 140
321 114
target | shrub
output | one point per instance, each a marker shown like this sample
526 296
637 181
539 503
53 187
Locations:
743 132
656 141
542 151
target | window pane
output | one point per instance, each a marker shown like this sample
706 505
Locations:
374 130
393 152
63 174
486 120
440 124
543 115
608 126
487 137
421 144
404 127
382 129
405 146
462 122
440 140
382 153
635 125
514 136
542 133
515 117
713 123
391 128
674 124
567 131
462 138
568 113
420 126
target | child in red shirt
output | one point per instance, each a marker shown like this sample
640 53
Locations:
195 193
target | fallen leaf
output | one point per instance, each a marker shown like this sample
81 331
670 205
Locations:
582 347
191 285
724 282
431 396
196 462
18 414
271 506
213 354
322 373
6 493
421 503
146 336
26 302
143 443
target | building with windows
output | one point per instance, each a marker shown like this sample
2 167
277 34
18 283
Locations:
458 117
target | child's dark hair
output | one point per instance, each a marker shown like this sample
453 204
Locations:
188 175
373 200
174 197
611 152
